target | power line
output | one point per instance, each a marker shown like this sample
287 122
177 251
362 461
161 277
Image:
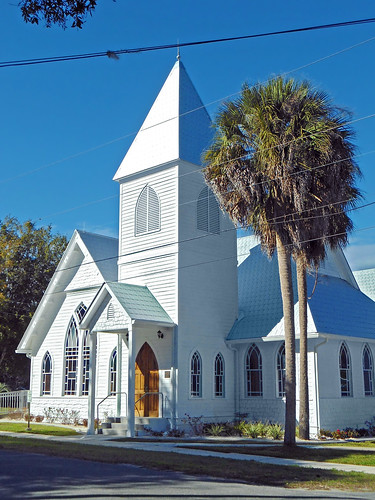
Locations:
195 238
131 134
175 268
112 53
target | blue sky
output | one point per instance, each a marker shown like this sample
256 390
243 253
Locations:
67 126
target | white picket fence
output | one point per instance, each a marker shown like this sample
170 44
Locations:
13 401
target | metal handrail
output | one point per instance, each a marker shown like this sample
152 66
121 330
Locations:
102 401
147 394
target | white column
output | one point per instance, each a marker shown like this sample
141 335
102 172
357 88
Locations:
119 374
92 383
131 383
174 377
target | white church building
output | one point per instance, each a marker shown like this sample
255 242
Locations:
179 317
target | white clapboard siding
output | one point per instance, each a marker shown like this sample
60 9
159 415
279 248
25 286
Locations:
54 343
150 258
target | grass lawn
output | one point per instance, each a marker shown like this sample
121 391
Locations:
352 444
250 472
326 454
50 430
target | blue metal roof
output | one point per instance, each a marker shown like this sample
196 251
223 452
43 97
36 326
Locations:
336 306
366 281
139 303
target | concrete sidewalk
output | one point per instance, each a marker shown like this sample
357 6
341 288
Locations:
181 448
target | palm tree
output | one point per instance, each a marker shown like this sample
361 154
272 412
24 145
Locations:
263 166
322 209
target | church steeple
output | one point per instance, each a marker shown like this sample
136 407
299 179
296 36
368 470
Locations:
176 127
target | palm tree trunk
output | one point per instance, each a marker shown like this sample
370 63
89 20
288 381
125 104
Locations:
304 428
285 273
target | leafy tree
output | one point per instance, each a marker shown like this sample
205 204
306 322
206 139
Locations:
57 11
263 167
3 388
28 258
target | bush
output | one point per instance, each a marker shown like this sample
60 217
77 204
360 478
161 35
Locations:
39 418
214 429
324 433
371 426
275 431
15 415
176 433
61 415
195 423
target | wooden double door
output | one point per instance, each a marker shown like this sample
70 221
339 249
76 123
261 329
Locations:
146 381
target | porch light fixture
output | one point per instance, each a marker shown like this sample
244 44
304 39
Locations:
160 334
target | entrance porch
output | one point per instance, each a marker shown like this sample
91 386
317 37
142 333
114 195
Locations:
143 384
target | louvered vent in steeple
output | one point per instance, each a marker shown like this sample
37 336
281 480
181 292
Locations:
147 212
208 213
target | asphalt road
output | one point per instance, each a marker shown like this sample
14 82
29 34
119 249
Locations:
28 475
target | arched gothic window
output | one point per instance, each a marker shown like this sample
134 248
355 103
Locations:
46 374
368 371
208 212
281 371
254 381
147 212
85 363
219 376
71 358
345 372
113 372
196 375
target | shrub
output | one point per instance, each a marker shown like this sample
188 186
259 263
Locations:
371 426
176 433
337 434
240 426
261 429
275 431
230 429
195 423
15 415
214 429
39 418
324 433
250 430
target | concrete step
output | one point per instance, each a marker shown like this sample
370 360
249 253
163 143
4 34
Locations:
117 426
112 432
112 420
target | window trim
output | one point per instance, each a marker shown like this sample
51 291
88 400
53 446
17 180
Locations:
249 370
71 357
195 377
113 373
348 393
280 371
78 355
219 378
85 361
370 371
43 392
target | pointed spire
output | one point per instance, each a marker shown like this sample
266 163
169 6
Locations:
176 127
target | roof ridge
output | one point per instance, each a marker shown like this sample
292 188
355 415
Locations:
81 231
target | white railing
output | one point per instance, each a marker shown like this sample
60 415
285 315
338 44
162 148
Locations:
12 401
